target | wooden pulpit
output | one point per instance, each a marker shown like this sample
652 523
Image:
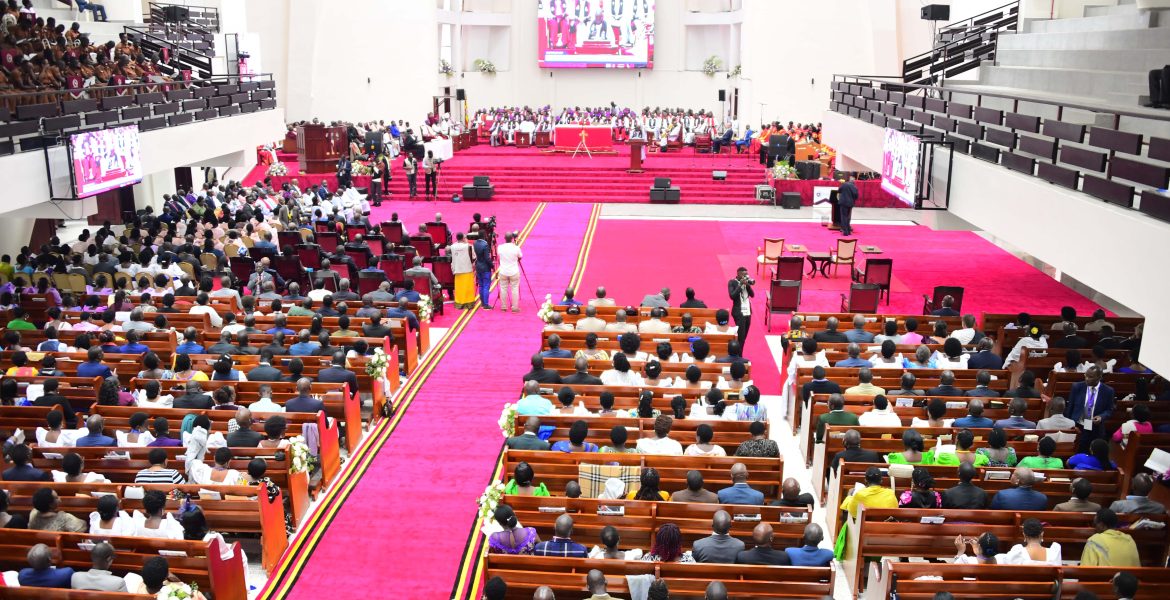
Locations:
320 147
636 147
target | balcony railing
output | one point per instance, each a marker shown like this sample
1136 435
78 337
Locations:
961 46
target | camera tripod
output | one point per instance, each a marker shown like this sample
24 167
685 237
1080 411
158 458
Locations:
524 274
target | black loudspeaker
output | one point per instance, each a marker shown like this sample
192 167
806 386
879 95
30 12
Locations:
808 169
722 95
661 183
460 94
480 180
373 143
175 14
936 12
719 175
790 200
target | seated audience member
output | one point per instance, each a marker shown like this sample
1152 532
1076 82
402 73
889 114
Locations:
513 539
1109 547
99 578
1026 388
820 384
1016 418
1070 339
703 445
854 360
853 452
1033 341
562 543
984 358
1125 584
244 436
985 550
41 572
304 400
533 404
1139 423
974 418
154 521
719 547
740 492
554 348
964 451
591 351
618 436
7 519
667 546
660 442
762 552
610 546
1081 489
907 383
1021 497
946 386
913 451
881 415
158 581
590 322
1032 551
830 334
22 469
521 483
1056 418
965 495
576 442
1138 501
655 324
582 375
865 386
46 515
758 444
265 404
998 452
649 481
887 357
837 415
982 386
73 471
921 493
1044 458
193 397
528 440
810 554
790 495
1097 459
161 429
694 492
540 374
858 334
495 589
158 472
936 411
95 425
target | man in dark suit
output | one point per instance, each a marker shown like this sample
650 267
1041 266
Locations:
375 329
819 384
846 199
984 358
947 309
265 371
853 451
965 495
193 398
1070 339
51 398
1090 403
740 291
946 386
1021 497
225 345
540 374
982 389
763 553
337 373
304 402
528 439
582 376
831 334
244 436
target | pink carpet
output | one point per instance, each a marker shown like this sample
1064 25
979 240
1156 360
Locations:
633 258
406 523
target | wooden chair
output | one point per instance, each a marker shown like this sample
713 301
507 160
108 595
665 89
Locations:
393 232
783 297
769 253
932 302
209 260
329 241
845 254
368 281
789 268
288 238
878 271
863 298
309 255
393 271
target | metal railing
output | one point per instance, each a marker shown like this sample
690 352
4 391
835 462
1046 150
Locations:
970 43
187 55
1089 153
199 18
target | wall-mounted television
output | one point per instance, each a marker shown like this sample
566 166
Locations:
612 34
105 160
900 158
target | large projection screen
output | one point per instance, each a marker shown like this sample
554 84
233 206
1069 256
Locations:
611 34
900 158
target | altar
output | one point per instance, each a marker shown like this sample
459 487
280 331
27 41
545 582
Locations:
599 138
442 147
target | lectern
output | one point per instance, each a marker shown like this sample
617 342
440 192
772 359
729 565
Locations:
636 147
320 147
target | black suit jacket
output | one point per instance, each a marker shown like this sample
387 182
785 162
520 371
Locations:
265 373
543 376
734 288
379 331
581 379
945 390
819 387
244 438
855 455
51 400
847 194
985 360
190 401
277 350
965 495
983 393
763 556
1103 406
337 375
1070 341
827 336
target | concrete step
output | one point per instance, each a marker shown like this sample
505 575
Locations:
1132 39
1136 61
1136 20
1087 83
1100 11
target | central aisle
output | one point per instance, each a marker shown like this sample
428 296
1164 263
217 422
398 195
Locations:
404 525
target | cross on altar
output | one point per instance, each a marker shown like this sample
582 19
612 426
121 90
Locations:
583 146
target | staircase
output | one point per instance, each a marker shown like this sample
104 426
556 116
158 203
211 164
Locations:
961 46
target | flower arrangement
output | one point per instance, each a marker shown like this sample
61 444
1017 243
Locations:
360 168
484 66
425 308
377 364
783 171
277 169
445 68
302 460
736 72
176 590
546 310
508 420
712 65
488 502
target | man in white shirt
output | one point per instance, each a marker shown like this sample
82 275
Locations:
966 335
202 307
1056 418
265 403
881 415
509 272
619 323
661 442
601 300
654 324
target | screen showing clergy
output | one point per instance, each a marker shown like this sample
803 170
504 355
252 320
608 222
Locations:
616 34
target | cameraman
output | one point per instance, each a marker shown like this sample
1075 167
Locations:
431 173
740 291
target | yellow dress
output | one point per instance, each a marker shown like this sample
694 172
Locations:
874 496
465 288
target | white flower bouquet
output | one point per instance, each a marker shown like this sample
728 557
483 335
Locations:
508 420
445 68
488 502
546 310
361 169
377 364
484 66
174 590
426 308
783 171
302 460
712 65
277 169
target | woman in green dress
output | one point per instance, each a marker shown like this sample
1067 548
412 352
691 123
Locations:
912 453
964 452
521 483
1046 448
998 453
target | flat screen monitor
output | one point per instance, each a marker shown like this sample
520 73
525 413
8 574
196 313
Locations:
900 153
611 34
105 160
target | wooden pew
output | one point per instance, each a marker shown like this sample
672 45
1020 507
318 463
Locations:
728 434
608 340
711 371
1131 458
875 322
993 322
971 582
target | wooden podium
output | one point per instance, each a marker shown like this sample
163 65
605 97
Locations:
636 147
320 147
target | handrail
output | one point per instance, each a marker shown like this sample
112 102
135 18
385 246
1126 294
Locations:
943 51
62 94
147 34
889 82
963 24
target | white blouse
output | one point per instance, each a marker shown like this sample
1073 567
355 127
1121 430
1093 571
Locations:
123 525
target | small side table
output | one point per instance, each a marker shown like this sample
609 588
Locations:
818 261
